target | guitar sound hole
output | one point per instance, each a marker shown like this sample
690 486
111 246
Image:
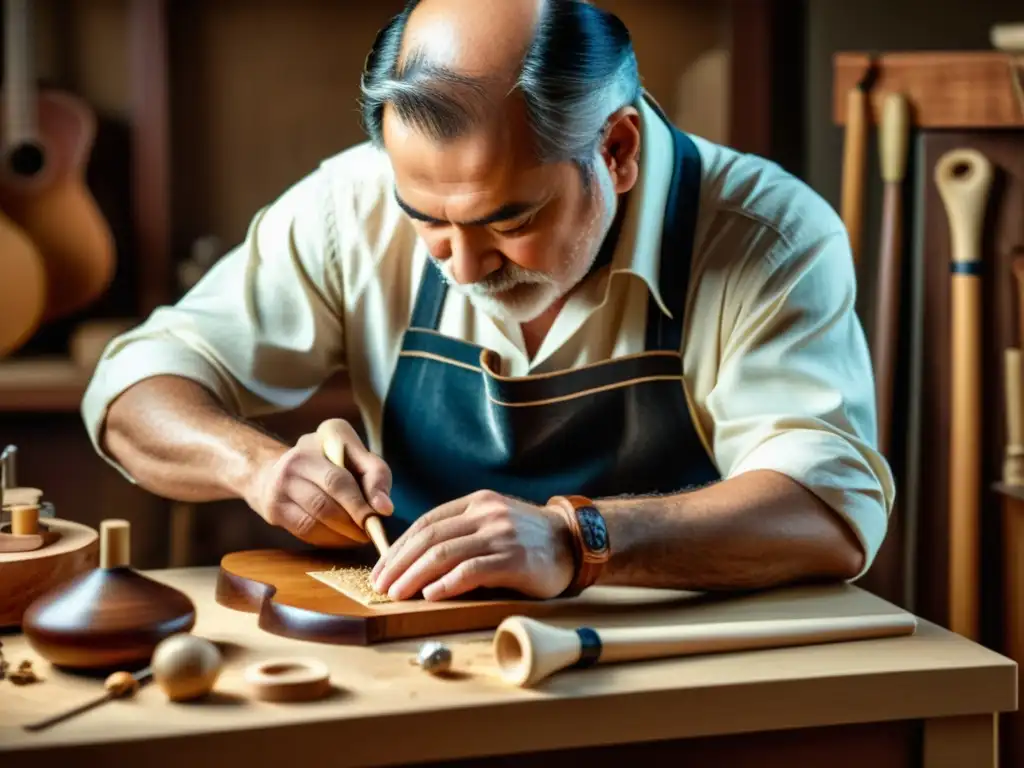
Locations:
26 159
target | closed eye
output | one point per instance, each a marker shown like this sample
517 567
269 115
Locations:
516 225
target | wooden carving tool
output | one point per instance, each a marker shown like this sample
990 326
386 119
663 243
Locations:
854 157
1017 267
893 145
528 651
964 178
1013 460
334 449
119 685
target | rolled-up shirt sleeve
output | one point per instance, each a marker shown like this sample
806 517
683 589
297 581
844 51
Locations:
795 389
262 329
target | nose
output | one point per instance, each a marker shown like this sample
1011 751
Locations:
472 256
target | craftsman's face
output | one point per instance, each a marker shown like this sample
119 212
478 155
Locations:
512 234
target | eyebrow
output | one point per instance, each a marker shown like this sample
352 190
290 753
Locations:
504 213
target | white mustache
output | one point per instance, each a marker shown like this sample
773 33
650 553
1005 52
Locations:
505 279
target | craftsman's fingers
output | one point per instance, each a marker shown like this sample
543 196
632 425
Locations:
294 519
434 543
342 486
319 504
347 509
437 561
422 524
372 471
493 570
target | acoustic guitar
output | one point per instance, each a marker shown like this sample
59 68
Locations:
47 140
22 287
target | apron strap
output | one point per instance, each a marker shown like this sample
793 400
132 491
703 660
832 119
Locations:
429 299
677 240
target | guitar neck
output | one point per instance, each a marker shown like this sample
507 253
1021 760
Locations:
19 124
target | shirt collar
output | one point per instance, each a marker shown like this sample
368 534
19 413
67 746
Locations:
638 250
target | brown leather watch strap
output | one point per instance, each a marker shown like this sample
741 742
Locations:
590 543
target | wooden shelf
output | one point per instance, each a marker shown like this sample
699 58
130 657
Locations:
974 89
43 385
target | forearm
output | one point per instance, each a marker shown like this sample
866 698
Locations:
757 530
178 441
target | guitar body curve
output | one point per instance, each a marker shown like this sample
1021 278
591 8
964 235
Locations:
52 203
22 287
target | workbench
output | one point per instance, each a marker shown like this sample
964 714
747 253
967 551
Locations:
930 699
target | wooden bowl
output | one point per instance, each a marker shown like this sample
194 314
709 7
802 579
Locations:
57 553
112 616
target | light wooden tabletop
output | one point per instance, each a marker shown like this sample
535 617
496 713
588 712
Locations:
387 711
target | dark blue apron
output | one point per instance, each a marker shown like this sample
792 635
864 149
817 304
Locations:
452 426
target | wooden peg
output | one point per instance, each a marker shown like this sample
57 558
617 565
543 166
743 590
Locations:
25 520
115 544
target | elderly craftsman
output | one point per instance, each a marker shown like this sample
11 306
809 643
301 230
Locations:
585 346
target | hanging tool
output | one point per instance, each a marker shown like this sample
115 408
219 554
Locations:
964 179
855 156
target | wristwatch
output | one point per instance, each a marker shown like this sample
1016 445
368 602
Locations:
591 548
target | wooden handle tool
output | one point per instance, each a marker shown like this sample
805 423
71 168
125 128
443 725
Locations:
854 157
1017 267
1013 460
964 179
119 685
334 449
894 137
528 651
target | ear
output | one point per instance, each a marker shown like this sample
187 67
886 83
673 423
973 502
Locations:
620 149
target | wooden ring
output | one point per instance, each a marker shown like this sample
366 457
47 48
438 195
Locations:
288 679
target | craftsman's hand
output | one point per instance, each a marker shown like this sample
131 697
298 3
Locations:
317 501
481 540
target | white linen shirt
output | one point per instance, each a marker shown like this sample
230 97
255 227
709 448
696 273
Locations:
775 364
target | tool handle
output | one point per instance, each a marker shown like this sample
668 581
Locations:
1013 460
334 450
964 179
894 137
529 650
854 156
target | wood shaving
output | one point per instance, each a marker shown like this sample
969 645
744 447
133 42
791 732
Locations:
353 582
24 674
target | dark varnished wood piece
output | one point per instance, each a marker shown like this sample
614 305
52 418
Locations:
275 584
105 618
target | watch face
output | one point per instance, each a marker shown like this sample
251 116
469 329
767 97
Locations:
592 528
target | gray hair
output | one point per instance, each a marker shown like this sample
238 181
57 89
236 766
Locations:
578 70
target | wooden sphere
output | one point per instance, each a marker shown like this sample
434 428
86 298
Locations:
185 666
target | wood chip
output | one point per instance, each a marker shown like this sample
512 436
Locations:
24 674
353 582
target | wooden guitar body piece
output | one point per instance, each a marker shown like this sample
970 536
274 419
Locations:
290 602
47 196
